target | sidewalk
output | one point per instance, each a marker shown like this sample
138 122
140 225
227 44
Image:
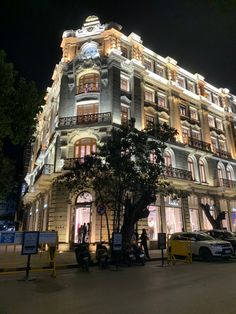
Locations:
11 260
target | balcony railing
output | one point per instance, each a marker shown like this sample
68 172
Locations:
223 154
96 118
47 169
169 171
89 88
226 183
193 142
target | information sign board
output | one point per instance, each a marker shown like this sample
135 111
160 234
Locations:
117 241
30 242
101 210
161 245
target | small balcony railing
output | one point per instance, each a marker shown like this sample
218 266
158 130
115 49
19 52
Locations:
222 154
171 172
225 183
96 118
89 88
193 142
47 169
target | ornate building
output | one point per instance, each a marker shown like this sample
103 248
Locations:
103 79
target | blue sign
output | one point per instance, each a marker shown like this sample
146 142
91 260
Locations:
101 210
7 237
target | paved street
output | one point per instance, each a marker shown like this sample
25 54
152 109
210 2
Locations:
192 289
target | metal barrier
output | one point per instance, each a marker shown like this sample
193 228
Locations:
179 250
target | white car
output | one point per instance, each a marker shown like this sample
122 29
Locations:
205 246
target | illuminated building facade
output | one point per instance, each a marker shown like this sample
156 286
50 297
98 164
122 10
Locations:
103 79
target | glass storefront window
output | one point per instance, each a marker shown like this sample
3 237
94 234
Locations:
174 221
154 222
233 219
82 216
206 223
194 219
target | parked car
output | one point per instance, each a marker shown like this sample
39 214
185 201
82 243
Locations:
223 235
205 246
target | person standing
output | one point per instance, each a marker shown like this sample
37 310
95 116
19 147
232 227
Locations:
84 232
144 239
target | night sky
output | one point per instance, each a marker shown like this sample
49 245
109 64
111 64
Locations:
199 34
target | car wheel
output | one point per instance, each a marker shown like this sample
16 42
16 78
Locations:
206 254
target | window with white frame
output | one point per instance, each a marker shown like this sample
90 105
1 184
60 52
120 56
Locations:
124 83
208 95
193 114
160 70
181 81
196 135
216 99
183 110
202 171
219 124
167 159
148 64
229 173
161 100
211 121
149 95
185 135
191 86
191 167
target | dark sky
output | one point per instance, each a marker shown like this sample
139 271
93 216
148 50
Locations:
199 34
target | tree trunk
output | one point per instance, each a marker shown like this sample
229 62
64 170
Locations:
216 223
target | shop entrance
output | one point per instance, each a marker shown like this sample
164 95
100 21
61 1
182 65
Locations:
83 217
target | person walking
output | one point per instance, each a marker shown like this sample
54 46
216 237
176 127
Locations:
144 239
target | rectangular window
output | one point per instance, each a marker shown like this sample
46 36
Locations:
214 145
194 219
208 95
124 83
174 221
183 110
219 124
181 81
211 121
196 135
148 64
216 99
149 95
149 121
193 114
222 145
160 70
161 100
191 86
124 115
124 51
185 135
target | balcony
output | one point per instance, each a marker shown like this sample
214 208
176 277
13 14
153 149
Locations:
171 172
222 154
96 118
193 142
225 183
47 169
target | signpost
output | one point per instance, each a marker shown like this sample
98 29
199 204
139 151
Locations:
117 246
161 245
29 246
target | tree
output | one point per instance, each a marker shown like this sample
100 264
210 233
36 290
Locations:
20 101
215 222
126 173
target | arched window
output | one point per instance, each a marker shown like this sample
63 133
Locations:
220 173
229 173
167 159
84 147
88 83
191 167
202 171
